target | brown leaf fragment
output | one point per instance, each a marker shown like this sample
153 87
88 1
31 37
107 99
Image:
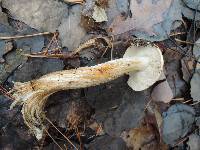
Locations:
145 14
141 138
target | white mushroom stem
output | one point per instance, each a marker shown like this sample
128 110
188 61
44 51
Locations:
33 94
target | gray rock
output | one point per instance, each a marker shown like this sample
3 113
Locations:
195 86
198 121
188 12
163 29
196 49
123 5
194 4
127 115
13 60
71 33
195 81
116 106
107 143
41 15
34 44
194 142
177 122
36 67
114 9
14 57
3 18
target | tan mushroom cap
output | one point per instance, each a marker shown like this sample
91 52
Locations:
146 77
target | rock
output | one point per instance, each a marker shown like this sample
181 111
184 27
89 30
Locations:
194 142
198 121
36 67
177 122
41 15
14 134
13 60
115 8
123 6
128 115
195 86
162 92
196 49
3 18
195 81
188 12
107 143
71 33
174 74
194 4
116 106
12 51
165 14
56 108
34 44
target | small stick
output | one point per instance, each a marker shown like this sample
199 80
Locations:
24 36
53 139
61 133
186 42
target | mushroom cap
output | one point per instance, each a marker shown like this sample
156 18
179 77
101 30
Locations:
143 79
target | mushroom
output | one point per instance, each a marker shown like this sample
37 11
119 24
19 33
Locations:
144 78
143 64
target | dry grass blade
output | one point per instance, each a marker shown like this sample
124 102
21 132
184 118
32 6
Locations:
74 1
24 36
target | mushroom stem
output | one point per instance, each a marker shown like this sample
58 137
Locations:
33 94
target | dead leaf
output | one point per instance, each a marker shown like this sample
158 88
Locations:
145 14
141 138
99 14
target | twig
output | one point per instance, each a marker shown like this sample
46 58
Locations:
53 139
61 133
24 36
178 99
5 93
195 103
178 33
187 101
89 43
186 42
182 51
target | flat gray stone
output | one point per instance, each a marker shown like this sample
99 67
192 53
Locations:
41 15
177 122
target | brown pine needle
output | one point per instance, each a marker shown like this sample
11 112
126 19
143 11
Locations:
187 101
178 99
53 139
195 103
186 42
61 133
5 93
178 33
24 36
